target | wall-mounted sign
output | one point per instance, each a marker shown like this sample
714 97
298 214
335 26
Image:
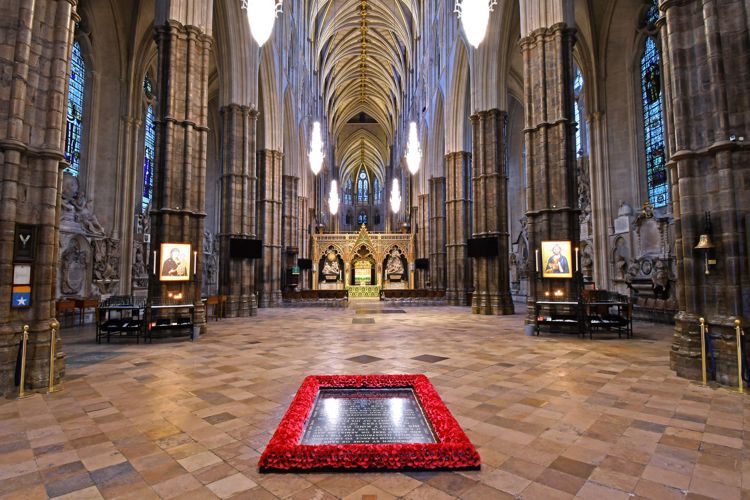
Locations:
24 244
174 262
557 259
20 296
22 274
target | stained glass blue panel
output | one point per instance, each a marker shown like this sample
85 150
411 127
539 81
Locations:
362 218
348 191
652 14
653 125
578 110
74 126
378 192
148 159
363 188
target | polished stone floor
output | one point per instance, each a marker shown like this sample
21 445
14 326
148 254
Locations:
552 417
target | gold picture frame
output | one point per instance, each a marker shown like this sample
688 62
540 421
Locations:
174 262
557 259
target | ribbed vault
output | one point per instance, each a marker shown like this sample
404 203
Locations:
364 52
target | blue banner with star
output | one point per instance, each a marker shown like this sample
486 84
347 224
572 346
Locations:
21 297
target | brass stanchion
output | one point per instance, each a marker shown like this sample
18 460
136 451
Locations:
738 331
55 325
703 351
21 387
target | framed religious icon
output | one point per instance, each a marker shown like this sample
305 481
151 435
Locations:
557 259
174 262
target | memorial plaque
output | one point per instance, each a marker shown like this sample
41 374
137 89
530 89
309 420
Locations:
366 416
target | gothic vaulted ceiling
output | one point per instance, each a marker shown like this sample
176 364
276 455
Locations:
364 52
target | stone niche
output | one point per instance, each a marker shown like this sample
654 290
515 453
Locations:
89 260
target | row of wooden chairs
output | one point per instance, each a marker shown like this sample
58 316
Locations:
413 297
322 298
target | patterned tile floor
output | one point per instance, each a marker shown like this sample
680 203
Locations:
552 417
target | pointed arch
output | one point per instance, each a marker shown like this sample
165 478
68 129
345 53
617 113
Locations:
458 105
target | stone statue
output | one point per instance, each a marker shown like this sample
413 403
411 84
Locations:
394 264
513 268
140 274
77 210
331 264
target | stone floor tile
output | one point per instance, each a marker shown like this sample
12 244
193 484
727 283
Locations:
231 485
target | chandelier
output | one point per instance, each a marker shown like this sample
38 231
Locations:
316 154
413 151
474 15
261 14
395 197
333 198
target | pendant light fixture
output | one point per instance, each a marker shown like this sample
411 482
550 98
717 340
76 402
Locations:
474 15
261 14
395 197
316 154
333 198
413 151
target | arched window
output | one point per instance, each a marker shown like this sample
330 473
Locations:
362 218
76 95
378 194
579 114
149 150
363 187
653 117
348 191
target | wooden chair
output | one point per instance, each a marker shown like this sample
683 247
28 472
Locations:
213 306
66 311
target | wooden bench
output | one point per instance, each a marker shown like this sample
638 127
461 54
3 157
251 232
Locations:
316 298
413 297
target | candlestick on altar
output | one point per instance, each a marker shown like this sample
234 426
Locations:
578 261
536 260
195 262
154 261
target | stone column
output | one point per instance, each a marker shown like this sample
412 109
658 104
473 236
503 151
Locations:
490 211
458 225
707 70
269 216
437 233
36 48
551 194
238 190
423 238
290 220
178 213
303 241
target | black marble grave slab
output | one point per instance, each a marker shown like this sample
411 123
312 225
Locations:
366 416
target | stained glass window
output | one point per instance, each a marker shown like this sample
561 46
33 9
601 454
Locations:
76 94
377 191
578 109
348 191
362 218
363 187
653 125
149 155
652 14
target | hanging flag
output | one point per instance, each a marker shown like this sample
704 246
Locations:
21 297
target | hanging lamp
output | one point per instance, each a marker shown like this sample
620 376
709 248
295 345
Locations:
261 14
474 15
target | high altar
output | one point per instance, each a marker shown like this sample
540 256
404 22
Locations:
363 263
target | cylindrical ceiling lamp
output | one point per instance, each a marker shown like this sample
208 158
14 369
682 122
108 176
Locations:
333 198
474 15
395 197
413 151
316 154
261 14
